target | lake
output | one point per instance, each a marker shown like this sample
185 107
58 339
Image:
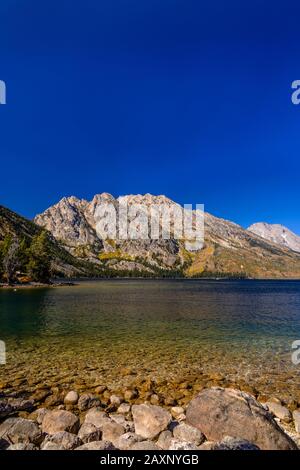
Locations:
122 332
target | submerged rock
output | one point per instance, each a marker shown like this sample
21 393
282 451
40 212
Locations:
71 398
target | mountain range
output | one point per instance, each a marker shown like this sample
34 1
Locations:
229 250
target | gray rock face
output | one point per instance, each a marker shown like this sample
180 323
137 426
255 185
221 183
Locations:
60 420
278 234
219 412
72 222
150 420
184 432
19 430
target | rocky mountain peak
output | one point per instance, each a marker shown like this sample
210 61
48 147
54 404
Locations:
277 233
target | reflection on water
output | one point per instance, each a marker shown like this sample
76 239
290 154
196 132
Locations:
241 330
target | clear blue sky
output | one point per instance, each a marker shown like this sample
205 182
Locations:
185 98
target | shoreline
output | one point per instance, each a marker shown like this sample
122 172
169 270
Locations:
217 418
76 281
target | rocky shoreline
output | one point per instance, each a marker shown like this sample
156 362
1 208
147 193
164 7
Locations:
31 285
216 419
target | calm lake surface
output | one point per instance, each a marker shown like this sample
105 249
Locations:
208 332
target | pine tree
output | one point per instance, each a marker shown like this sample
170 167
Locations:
10 257
39 265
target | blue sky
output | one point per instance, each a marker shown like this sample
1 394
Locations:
190 99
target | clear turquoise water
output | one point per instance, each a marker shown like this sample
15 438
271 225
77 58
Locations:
242 330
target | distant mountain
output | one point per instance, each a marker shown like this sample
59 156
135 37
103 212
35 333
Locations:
229 250
277 234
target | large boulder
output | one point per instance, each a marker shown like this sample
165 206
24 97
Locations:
60 420
150 420
20 430
220 412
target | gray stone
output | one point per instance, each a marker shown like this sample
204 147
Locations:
130 394
207 445
89 433
19 430
71 398
96 417
5 409
97 445
176 444
64 439
279 411
144 445
187 433
88 401
120 419
164 440
177 412
219 412
125 441
38 415
124 408
60 420
150 420
116 400
52 446
111 431
22 446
